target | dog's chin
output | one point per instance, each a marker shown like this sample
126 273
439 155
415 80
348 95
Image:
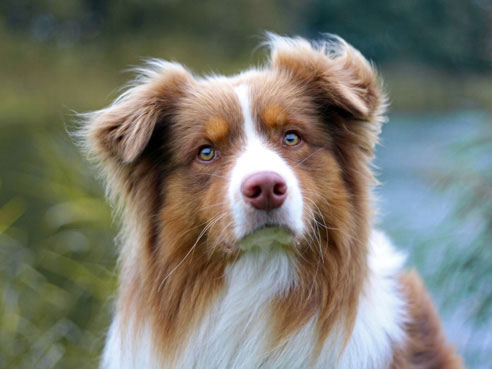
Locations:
267 237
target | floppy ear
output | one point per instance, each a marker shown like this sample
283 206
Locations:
123 130
338 77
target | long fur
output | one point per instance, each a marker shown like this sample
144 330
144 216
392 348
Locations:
188 296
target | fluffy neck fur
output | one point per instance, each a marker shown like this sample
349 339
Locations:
236 331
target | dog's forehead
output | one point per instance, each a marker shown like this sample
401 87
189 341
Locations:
210 100
277 99
214 103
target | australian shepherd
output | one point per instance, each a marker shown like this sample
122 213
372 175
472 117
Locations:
198 164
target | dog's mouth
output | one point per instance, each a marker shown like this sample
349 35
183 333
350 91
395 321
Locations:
266 238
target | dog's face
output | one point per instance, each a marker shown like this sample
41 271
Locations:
285 145
250 152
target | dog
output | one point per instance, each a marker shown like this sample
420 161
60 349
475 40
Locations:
197 164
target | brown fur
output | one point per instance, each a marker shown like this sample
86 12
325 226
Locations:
274 116
425 347
217 129
176 234
347 97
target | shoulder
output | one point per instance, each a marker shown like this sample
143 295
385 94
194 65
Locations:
426 345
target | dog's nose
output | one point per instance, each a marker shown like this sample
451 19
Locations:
264 190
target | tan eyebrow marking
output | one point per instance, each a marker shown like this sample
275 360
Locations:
274 116
216 129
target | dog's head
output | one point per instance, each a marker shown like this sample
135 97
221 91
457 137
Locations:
199 163
284 145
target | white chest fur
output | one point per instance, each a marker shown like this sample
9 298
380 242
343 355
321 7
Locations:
234 333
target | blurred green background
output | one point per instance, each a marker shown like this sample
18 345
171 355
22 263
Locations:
57 259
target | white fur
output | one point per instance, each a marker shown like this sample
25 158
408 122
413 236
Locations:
258 157
379 323
234 334
129 350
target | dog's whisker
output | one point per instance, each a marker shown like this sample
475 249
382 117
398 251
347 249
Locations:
315 223
209 225
223 203
307 157
216 175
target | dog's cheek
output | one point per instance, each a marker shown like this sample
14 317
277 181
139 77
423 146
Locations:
335 199
177 220
307 188
325 196
215 215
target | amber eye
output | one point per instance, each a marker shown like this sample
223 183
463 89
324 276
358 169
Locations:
206 153
291 139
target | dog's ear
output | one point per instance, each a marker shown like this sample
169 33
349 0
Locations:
338 77
123 130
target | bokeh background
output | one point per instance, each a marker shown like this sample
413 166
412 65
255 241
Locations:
57 259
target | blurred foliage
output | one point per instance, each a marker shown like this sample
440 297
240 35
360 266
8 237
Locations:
452 34
468 177
456 258
56 270
57 258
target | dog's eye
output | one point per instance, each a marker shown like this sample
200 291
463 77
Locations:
291 139
207 153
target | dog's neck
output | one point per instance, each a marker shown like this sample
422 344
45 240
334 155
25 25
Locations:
236 331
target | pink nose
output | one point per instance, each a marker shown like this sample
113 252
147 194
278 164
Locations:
264 190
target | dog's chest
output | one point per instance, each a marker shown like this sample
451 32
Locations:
235 332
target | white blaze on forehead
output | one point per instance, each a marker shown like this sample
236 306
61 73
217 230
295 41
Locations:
256 157
249 126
